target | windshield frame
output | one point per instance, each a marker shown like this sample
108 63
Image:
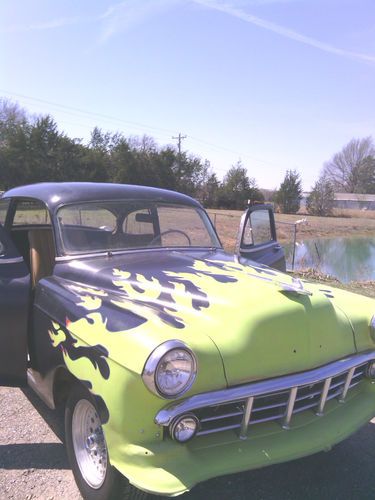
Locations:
62 253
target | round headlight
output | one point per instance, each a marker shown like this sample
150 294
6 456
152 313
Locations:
170 370
184 428
175 372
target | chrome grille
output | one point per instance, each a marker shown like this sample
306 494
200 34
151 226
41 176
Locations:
278 399
279 406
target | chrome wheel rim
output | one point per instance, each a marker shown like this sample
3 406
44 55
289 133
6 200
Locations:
89 444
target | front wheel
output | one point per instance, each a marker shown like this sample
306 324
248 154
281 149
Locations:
88 454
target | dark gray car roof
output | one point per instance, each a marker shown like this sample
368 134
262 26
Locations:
54 194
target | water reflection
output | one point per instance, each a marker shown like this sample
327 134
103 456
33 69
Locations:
349 259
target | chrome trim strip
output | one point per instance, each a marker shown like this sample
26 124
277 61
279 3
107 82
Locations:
114 253
289 408
42 386
246 417
221 417
13 260
257 248
347 385
323 397
238 393
240 230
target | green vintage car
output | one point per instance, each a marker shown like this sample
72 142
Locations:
176 362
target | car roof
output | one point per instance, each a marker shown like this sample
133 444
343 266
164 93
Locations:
55 194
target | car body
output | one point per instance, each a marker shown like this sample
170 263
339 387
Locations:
195 362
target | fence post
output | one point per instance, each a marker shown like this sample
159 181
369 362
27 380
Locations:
294 245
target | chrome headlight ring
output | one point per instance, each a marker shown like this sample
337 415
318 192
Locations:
372 328
170 352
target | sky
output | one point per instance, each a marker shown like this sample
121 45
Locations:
277 84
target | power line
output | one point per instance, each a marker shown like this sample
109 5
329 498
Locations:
179 139
85 112
242 155
73 111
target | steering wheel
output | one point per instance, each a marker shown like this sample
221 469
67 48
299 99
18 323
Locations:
168 231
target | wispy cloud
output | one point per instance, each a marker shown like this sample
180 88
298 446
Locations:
235 11
48 25
123 15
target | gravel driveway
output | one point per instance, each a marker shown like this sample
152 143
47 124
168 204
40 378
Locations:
33 463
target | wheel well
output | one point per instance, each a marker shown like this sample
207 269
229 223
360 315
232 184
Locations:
62 385
63 381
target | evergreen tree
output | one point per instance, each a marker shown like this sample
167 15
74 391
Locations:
321 199
289 195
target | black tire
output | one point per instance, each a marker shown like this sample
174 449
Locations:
114 485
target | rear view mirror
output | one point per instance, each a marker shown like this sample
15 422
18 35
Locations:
139 217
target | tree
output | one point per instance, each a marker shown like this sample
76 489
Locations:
289 195
366 177
237 188
321 198
352 170
12 117
207 189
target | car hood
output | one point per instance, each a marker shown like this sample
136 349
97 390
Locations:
262 322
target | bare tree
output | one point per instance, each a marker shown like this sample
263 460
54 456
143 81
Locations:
11 117
346 169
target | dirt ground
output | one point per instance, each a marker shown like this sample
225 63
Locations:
33 464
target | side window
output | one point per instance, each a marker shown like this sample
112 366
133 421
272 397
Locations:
30 212
258 229
4 204
88 217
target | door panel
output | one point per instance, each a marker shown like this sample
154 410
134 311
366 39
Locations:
14 307
257 238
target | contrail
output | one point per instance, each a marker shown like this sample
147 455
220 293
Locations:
48 25
281 30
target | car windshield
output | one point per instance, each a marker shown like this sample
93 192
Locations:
122 225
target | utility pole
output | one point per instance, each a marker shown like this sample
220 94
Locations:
179 140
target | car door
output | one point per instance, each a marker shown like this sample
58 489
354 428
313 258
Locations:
257 238
14 308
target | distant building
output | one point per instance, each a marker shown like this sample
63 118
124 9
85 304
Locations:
350 201
355 201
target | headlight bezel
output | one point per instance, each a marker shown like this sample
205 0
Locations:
372 328
152 364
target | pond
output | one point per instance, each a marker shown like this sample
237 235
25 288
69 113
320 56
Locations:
348 259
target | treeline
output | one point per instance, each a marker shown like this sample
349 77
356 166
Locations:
34 150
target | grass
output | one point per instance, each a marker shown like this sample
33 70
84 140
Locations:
355 223
363 287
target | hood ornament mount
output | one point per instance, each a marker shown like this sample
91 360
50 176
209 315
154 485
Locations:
295 287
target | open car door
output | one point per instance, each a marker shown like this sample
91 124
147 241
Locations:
14 308
256 239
